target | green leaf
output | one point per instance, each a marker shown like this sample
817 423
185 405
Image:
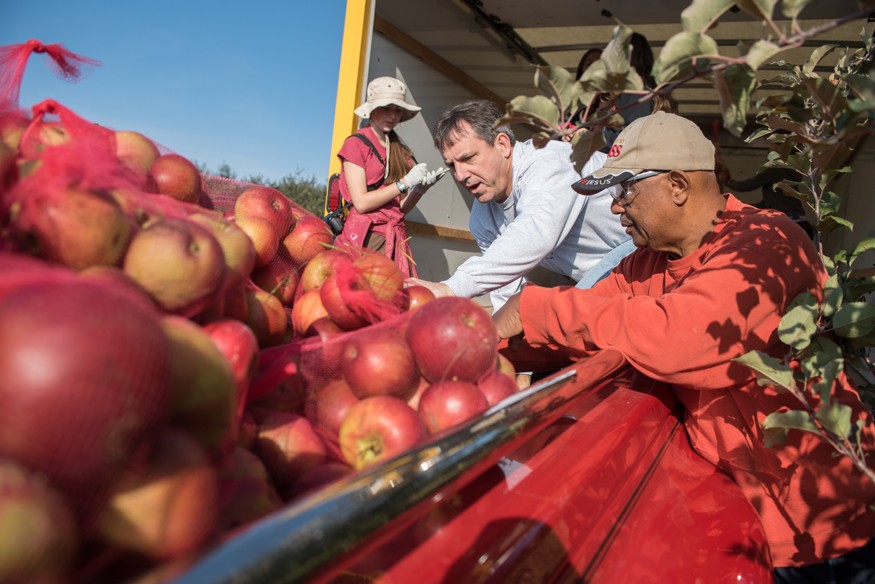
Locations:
701 14
583 144
792 420
833 296
558 82
762 52
799 323
826 157
759 9
864 246
854 319
734 86
617 53
836 418
816 57
823 363
678 52
768 370
792 8
539 111
774 437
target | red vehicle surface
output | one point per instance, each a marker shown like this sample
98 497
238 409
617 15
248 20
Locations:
587 476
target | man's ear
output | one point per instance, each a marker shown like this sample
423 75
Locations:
681 183
502 142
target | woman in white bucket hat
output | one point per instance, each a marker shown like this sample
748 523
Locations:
380 176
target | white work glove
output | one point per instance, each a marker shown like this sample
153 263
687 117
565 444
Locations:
431 177
415 176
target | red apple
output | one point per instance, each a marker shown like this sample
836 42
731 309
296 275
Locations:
167 506
176 176
37 528
321 361
179 263
417 296
76 227
346 297
308 237
248 431
379 362
377 429
264 236
84 375
267 204
382 275
266 316
245 490
447 403
279 277
319 268
306 310
463 332
236 245
236 341
496 385
288 445
327 406
135 151
203 389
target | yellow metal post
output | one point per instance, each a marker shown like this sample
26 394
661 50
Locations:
351 78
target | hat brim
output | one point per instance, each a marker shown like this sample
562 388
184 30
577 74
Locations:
408 110
603 179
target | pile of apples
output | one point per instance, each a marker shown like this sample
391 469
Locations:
171 371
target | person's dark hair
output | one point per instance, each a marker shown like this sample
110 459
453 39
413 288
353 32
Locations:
480 114
642 59
586 60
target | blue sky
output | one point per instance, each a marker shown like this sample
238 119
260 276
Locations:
248 83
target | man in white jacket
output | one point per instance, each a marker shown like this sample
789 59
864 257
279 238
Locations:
526 213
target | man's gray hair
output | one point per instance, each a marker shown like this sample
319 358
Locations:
480 114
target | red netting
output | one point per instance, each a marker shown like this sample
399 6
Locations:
180 354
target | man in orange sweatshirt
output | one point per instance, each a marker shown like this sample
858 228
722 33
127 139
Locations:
708 282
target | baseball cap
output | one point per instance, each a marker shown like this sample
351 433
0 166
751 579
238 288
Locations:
660 141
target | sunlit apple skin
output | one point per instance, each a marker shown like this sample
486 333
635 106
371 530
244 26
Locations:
179 263
176 176
319 268
448 403
167 503
417 296
496 386
266 316
78 228
379 362
377 429
382 275
135 151
463 330
264 236
236 246
345 295
268 204
306 310
308 237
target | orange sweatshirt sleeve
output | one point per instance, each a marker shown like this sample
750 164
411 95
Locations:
681 323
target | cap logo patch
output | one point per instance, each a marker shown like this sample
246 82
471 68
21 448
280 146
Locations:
615 150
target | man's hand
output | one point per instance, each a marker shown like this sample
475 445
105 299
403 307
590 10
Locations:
509 322
437 288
